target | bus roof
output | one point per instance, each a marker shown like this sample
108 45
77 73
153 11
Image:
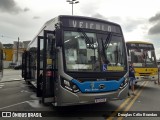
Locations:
79 22
64 18
139 42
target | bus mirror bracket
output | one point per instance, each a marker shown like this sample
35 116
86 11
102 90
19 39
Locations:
58 37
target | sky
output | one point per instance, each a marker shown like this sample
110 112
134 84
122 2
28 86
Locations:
139 19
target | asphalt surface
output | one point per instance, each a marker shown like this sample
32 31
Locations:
18 96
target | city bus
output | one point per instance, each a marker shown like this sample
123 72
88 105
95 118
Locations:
142 56
1 60
75 60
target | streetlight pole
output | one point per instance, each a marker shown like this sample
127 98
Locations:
72 2
17 49
72 7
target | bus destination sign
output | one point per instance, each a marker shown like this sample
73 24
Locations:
141 45
94 25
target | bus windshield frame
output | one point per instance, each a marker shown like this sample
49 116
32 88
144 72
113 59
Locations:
91 51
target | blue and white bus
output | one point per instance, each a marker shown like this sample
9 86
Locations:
77 60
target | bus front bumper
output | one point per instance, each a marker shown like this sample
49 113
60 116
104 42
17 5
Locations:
67 98
146 78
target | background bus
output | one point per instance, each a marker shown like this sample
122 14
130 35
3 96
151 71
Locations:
1 60
158 64
142 55
77 60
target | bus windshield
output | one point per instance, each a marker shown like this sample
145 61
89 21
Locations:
85 52
142 57
113 49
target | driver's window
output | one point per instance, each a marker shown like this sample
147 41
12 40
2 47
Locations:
71 55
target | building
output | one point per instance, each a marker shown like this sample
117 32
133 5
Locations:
12 53
7 54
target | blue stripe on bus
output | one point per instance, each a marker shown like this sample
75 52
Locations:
94 86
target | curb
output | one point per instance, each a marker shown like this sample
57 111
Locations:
10 80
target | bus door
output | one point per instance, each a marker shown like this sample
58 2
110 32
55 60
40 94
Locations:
40 65
26 65
46 71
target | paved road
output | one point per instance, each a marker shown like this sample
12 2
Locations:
18 96
11 75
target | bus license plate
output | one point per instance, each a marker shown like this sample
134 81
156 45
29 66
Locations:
99 100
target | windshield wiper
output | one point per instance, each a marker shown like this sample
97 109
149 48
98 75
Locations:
105 45
91 45
107 41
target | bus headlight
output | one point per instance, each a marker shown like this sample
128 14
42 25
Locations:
124 83
69 85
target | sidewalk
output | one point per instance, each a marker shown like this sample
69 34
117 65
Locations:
10 75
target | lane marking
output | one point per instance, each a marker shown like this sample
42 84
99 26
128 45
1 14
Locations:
21 77
26 91
1 86
123 104
12 105
15 104
133 101
14 78
119 108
